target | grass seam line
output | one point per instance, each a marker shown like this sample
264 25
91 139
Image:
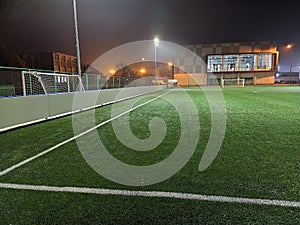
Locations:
152 194
9 169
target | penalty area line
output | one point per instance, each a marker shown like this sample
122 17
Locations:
152 194
75 137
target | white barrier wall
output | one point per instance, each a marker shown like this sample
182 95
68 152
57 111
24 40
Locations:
19 111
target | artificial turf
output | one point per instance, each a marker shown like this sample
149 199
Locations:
259 158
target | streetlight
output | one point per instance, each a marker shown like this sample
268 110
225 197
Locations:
171 66
290 46
76 38
156 43
142 71
112 72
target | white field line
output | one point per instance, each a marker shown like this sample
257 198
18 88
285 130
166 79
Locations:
74 137
153 194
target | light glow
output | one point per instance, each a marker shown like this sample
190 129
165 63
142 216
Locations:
156 41
112 72
142 70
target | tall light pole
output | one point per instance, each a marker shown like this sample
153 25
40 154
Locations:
156 43
76 38
290 47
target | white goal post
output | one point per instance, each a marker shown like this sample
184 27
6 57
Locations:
233 82
34 83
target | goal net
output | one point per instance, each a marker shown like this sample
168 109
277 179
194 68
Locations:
45 83
233 82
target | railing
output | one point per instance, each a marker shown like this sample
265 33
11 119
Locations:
11 79
12 82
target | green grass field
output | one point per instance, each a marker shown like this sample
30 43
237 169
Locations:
259 159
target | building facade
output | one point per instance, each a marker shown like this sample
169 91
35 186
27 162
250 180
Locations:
256 62
54 61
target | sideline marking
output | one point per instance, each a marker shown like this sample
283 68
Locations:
74 137
152 194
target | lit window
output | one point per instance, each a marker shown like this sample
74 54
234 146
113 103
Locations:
214 63
231 62
264 62
247 62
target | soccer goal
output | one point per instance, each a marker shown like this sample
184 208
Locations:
45 83
233 82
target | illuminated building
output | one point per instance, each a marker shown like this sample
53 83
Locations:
54 61
256 62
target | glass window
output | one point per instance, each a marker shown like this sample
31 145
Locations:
247 62
231 62
239 62
264 62
214 63
56 59
62 79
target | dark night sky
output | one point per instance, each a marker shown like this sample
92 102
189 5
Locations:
47 25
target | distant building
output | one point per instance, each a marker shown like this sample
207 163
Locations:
256 62
54 61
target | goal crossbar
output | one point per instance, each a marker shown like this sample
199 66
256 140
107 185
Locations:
239 82
34 82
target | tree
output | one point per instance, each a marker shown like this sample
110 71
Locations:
13 60
89 69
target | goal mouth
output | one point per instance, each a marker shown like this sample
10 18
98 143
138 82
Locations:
35 83
233 82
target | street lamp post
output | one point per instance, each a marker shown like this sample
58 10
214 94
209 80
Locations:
156 43
294 66
76 38
290 47
171 66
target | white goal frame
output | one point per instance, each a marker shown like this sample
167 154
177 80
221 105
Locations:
34 82
234 82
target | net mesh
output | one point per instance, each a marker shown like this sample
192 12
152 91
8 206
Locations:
233 82
46 83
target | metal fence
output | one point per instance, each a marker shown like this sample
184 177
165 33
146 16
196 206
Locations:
11 83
